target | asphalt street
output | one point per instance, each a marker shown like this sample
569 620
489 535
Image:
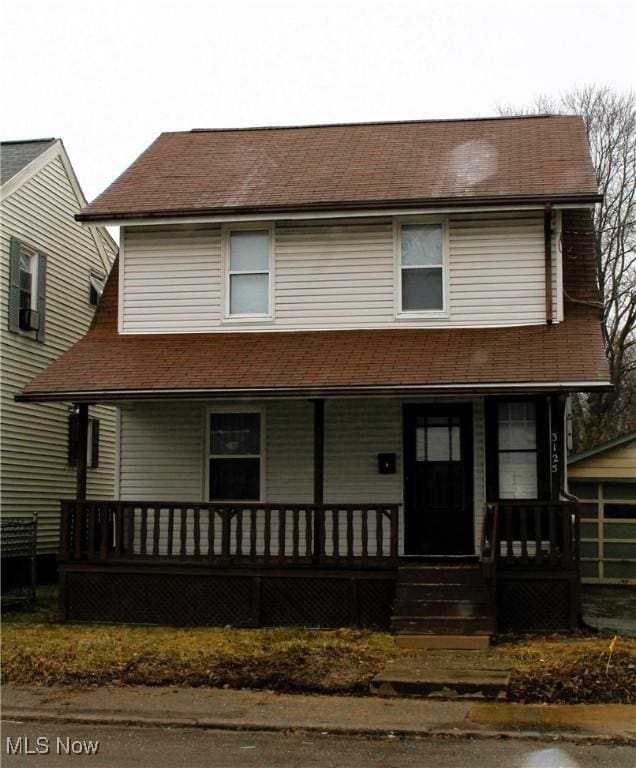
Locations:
121 747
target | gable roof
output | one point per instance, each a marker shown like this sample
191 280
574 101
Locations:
569 355
16 155
608 446
356 166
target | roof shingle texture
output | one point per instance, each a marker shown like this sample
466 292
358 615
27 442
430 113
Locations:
104 361
436 162
16 155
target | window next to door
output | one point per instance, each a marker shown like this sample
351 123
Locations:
517 451
235 455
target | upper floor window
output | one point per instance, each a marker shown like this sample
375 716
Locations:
422 266
248 268
27 294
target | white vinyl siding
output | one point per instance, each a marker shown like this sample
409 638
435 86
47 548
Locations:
497 270
35 471
163 445
330 275
171 280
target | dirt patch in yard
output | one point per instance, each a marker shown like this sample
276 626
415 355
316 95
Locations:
571 669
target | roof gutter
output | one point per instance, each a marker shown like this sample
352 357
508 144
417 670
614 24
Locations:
354 206
112 395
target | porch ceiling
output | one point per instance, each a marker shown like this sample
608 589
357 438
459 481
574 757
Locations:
107 366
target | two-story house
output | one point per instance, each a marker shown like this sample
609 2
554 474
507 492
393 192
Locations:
340 356
53 272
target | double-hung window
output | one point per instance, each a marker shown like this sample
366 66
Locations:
248 268
235 456
27 299
422 267
517 449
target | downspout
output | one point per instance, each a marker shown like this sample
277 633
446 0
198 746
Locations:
547 235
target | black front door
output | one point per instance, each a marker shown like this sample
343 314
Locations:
438 479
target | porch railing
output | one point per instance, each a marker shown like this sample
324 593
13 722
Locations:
266 535
531 534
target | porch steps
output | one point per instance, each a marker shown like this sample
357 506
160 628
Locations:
442 606
445 675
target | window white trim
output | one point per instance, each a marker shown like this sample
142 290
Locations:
121 287
207 448
444 312
226 231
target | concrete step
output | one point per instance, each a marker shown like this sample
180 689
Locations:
460 675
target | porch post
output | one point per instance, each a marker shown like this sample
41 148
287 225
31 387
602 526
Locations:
557 445
319 451
82 449
319 473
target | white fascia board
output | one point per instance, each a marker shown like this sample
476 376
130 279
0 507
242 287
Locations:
295 216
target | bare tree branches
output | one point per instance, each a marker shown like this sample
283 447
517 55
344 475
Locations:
610 120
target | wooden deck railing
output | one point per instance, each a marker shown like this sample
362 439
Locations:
531 534
266 535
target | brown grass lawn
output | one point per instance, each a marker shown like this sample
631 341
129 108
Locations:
37 650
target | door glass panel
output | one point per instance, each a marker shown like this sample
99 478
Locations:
438 444
420 444
455 444
438 439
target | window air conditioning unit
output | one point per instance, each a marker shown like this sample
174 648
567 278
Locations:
29 320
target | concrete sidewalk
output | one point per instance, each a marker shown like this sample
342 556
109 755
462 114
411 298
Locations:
262 710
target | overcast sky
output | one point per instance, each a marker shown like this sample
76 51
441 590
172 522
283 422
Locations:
107 76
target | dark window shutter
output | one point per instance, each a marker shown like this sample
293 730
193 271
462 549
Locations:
41 297
95 444
14 290
73 439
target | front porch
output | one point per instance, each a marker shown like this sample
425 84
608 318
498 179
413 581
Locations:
440 546
323 565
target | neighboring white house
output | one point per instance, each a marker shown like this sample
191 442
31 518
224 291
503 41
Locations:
341 356
53 272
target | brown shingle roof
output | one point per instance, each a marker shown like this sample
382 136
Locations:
333 361
355 166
